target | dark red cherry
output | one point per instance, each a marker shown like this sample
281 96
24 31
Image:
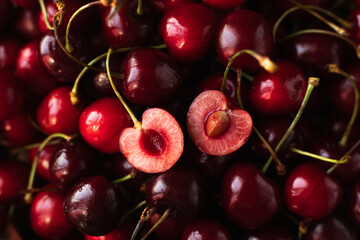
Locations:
353 18
13 180
56 62
26 24
102 122
280 92
125 28
165 5
336 125
9 48
11 94
70 162
170 228
93 206
56 114
30 70
121 232
354 203
150 76
17 130
248 197
272 231
188 30
310 192
42 167
205 229
25 3
47 215
243 29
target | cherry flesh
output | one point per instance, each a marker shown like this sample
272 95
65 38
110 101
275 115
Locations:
205 229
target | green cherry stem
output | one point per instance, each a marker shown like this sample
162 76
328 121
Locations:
346 155
131 175
312 83
134 209
156 225
28 195
139 8
44 13
137 123
325 159
145 216
17 150
335 69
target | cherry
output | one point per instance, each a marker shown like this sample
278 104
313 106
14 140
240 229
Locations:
47 216
42 168
188 36
270 231
25 3
31 71
26 24
11 94
165 5
57 114
150 76
336 127
102 122
310 192
9 48
355 25
205 229
126 28
170 228
280 92
248 197
354 203
56 62
243 29
157 145
93 206
13 180
215 127
121 232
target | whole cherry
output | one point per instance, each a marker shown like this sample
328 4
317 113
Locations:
205 229
42 168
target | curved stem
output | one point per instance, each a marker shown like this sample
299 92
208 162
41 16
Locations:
325 159
138 206
15 151
238 89
68 47
156 225
28 195
44 13
312 83
131 175
347 154
139 8
137 123
145 216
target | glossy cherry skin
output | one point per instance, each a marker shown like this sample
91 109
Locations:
93 206
9 48
243 29
56 62
188 30
56 114
280 92
30 70
205 229
42 168
354 203
26 24
102 122
150 76
13 180
310 192
47 215
178 189
248 197
165 5
11 94
70 162
126 28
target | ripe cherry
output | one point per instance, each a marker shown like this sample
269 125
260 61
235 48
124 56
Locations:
26 24
170 228
9 48
205 229
42 167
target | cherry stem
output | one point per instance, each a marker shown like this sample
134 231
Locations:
264 62
10 214
68 46
139 8
137 123
134 209
145 216
325 159
156 225
326 32
73 94
312 83
44 13
17 150
131 175
28 195
335 69
346 155
117 5
238 90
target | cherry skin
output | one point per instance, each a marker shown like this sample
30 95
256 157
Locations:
150 76
248 197
9 48
354 203
157 146
121 232
26 24
215 127
205 229
42 168
93 206
47 216
165 5
310 192
243 29
188 30
102 122
280 92
125 28
56 114
170 228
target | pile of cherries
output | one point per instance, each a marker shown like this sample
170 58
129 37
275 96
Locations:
179 119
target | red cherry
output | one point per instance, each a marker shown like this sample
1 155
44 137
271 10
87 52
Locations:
170 228
280 92
121 232
310 192
26 24
157 146
9 48
56 114
224 4
42 167
188 30
102 122
205 229
214 127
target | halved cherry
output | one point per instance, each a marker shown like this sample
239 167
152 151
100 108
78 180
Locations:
214 127
157 145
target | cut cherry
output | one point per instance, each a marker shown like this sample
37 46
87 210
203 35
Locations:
215 127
